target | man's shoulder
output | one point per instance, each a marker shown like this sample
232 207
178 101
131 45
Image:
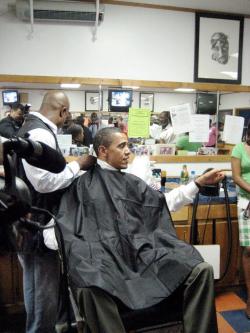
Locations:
6 120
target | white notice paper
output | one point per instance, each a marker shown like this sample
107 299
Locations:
181 118
233 129
200 131
64 140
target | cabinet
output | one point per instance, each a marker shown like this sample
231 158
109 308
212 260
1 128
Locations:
11 294
213 228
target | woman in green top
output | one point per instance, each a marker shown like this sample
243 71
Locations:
182 143
240 161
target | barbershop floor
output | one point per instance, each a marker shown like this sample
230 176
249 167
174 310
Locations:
230 307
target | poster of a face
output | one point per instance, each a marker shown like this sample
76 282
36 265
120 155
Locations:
218 48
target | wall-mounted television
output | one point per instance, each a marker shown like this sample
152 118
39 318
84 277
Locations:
206 103
10 97
120 100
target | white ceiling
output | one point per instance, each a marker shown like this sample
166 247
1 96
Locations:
230 6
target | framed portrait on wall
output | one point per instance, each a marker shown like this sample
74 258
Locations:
146 101
218 48
93 101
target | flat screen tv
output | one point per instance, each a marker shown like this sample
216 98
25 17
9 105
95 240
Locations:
206 103
120 100
10 97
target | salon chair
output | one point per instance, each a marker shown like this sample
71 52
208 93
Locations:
165 317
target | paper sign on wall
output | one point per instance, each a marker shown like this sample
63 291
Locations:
138 123
200 128
181 118
233 129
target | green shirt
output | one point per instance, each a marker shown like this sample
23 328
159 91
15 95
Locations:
240 152
184 144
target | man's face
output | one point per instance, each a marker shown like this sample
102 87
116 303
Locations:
220 48
17 115
163 119
117 154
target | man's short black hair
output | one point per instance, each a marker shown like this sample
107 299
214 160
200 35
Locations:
104 137
74 130
15 106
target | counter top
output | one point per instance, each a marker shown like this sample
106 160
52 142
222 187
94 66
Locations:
190 159
180 159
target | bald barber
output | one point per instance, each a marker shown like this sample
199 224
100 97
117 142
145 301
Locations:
41 270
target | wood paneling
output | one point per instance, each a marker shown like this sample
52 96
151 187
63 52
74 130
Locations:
122 82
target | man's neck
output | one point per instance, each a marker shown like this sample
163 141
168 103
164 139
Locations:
105 165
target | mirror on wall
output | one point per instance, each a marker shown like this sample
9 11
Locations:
201 102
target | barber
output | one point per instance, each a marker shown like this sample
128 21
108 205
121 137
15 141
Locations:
41 270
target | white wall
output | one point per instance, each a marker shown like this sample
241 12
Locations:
132 43
236 100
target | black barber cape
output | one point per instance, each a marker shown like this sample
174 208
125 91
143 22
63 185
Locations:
119 237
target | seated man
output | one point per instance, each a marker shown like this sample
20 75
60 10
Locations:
122 247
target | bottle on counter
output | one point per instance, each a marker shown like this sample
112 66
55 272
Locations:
184 174
163 180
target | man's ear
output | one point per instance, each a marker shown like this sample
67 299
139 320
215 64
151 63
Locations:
63 110
102 151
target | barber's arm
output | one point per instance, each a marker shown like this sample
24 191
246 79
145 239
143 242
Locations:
185 194
44 181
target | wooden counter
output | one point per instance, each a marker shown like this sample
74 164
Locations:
179 159
190 159
209 217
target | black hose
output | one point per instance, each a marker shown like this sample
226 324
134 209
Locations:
229 229
194 226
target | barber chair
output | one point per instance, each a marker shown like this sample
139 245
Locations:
165 317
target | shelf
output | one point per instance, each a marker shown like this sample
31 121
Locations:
190 159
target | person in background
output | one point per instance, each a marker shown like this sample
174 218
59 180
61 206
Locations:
122 125
77 134
111 122
155 128
10 125
167 134
80 120
220 130
213 134
240 161
95 124
125 246
41 273
183 143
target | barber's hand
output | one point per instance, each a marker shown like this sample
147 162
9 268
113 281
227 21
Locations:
86 162
211 177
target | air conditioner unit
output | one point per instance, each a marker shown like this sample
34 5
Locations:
60 11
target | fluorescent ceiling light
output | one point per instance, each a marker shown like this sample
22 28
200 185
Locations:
184 89
130 87
70 85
